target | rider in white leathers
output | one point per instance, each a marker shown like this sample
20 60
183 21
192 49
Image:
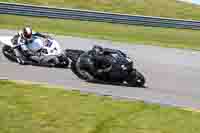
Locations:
25 38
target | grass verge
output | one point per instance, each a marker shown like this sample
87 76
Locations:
35 108
163 8
116 32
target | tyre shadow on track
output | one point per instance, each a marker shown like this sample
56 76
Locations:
39 65
115 84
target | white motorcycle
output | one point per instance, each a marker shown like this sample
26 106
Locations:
49 49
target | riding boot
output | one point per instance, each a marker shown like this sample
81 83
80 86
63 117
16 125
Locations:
19 57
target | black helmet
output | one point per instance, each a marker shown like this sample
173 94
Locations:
97 49
27 32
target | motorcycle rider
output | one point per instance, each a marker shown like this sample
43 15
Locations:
95 62
23 38
100 59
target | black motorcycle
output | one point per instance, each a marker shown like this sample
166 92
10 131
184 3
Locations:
121 69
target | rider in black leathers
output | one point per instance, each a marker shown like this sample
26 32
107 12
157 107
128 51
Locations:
95 62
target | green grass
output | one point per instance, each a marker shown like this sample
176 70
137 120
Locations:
26 108
132 34
163 8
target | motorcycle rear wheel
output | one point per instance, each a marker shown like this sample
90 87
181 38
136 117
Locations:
84 75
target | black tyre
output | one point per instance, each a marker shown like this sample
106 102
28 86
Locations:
81 74
136 79
8 52
75 71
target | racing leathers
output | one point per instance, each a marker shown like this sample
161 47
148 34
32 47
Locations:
94 64
23 52
101 63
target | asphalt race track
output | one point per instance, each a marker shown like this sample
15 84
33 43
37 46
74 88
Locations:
173 75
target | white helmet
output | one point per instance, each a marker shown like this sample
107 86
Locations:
27 32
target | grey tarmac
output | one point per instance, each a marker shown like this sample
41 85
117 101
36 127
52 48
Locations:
173 75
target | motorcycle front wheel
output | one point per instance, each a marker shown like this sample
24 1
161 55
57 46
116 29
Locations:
136 79
9 53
